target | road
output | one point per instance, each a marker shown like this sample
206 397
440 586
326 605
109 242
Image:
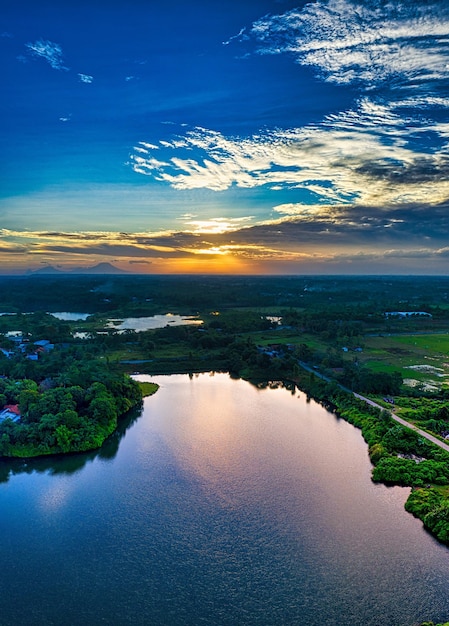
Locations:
396 418
404 422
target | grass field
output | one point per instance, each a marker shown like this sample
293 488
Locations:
148 389
420 358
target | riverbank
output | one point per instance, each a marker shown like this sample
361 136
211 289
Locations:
398 454
232 495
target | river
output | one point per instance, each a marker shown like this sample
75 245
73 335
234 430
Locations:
221 504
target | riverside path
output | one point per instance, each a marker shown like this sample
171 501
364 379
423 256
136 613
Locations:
396 418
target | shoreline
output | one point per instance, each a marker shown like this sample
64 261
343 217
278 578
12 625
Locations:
425 501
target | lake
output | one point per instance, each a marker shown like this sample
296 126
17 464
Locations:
68 316
137 324
219 504
153 322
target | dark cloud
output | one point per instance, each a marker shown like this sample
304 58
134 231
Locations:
349 225
421 170
75 236
140 262
13 249
112 249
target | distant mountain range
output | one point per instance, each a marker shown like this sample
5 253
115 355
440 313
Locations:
100 268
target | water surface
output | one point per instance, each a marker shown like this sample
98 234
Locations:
221 504
154 321
68 316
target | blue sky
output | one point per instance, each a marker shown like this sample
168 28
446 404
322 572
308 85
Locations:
251 137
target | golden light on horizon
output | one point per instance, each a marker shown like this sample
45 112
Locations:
206 263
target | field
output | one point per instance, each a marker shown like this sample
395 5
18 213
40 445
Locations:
420 358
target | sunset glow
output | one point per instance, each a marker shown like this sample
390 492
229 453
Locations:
276 137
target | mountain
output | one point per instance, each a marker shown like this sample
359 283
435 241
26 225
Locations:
100 268
47 269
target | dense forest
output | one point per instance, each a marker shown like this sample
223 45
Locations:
145 294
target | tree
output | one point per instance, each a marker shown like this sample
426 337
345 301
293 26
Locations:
64 437
102 409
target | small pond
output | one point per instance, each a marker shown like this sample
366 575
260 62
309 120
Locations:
155 321
71 317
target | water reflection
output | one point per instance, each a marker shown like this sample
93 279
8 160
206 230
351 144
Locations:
223 504
67 316
139 324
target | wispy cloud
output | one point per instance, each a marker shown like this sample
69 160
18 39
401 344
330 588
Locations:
374 177
85 78
49 51
241 35
365 42
370 155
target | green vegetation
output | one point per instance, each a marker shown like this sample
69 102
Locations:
387 338
69 418
68 399
399 455
148 389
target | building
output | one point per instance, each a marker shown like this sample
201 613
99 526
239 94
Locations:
10 411
407 314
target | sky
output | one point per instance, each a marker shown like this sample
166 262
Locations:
259 136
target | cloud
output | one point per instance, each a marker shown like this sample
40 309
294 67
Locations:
48 50
12 248
326 237
85 78
124 245
361 225
369 180
367 155
296 228
215 225
140 262
365 42
241 36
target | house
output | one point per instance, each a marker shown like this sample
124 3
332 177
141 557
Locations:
44 344
7 353
10 411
